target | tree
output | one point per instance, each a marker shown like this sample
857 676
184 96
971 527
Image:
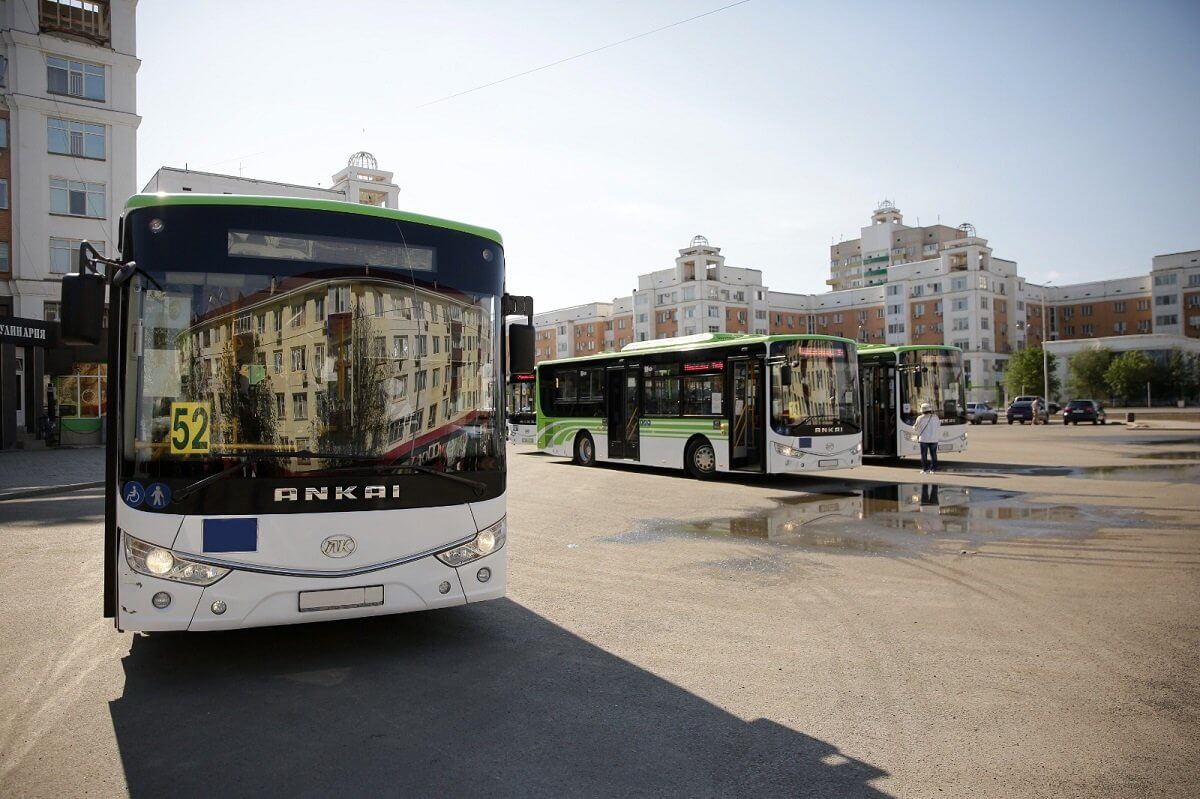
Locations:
1087 369
352 412
1128 374
1024 374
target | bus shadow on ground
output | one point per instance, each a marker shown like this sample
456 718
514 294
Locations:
488 700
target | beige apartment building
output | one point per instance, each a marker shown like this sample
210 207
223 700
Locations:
893 285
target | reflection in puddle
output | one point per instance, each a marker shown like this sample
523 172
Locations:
1173 455
891 518
1156 472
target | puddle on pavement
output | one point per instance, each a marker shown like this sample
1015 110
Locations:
892 519
1150 472
1172 455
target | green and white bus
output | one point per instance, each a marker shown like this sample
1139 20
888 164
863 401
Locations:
306 410
708 403
896 381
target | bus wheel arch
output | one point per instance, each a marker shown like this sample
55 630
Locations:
584 449
700 457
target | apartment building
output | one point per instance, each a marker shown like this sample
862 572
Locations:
68 138
1176 292
885 243
360 181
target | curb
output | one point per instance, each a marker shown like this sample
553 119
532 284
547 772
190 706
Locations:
40 492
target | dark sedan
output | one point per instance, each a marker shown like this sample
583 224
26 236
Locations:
1023 412
1084 410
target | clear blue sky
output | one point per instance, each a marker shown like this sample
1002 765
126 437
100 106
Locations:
1067 133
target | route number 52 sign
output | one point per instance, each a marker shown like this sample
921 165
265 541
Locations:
190 427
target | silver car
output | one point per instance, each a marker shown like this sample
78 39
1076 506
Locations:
980 412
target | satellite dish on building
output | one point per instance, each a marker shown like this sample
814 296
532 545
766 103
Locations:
363 160
699 241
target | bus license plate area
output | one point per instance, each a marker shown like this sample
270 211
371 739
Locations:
945 447
341 598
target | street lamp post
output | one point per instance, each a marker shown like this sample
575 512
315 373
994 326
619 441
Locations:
1045 355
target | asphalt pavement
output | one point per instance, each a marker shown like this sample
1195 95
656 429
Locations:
1026 629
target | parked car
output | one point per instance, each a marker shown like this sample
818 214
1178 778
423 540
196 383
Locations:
980 412
1022 411
1052 407
1084 410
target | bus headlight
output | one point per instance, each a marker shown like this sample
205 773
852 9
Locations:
789 452
488 540
858 448
155 561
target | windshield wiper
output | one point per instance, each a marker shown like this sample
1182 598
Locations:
254 457
826 419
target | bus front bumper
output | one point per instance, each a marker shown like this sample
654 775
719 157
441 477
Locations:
254 599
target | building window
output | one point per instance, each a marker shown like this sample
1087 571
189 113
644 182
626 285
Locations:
298 359
3 70
82 139
74 78
1166 299
300 405
1143 305
279 365
1167 319
5 263
1143 325
75 198
299 315
1118 307
64 252
281 405
3 133
1165 280
4 193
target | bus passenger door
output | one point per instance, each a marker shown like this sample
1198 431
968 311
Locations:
879 412
624 394
746 436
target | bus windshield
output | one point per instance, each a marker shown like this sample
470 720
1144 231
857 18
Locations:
238 364
818 392
935 377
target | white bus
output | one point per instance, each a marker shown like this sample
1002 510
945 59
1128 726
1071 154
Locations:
708 403
302 411
896 381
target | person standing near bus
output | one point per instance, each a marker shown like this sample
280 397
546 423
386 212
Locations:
927 427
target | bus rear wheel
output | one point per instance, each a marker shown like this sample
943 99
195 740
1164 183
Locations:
700 459
585 450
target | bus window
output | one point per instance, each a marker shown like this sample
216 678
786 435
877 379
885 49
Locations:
661 390
702 395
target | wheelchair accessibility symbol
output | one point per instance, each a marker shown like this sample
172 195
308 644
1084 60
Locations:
133 494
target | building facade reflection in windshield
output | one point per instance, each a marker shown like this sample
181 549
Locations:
936 377
822 395
362 366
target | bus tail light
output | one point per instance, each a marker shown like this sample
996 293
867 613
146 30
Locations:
486 542
155 561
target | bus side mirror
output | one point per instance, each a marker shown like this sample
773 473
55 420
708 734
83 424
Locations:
520 348
785 375
82 310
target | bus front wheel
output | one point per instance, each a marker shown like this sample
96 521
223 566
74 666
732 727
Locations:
585 450
701 459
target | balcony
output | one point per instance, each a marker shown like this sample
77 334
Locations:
86 19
